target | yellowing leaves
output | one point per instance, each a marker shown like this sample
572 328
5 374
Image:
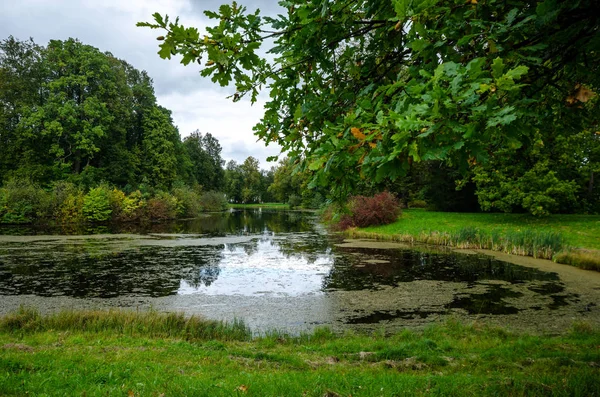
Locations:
357 133
581 94
374 136
361 136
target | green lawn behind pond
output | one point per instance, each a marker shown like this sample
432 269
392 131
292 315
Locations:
151 354
279 206
581 231
568 239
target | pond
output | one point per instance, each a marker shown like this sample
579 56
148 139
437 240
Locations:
282 270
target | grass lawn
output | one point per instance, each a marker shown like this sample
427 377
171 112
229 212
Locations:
580 231
280 206
137 354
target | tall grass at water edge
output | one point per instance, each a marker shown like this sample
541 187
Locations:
582 258
148 323
539 244
567 239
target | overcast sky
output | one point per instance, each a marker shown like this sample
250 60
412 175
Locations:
109 25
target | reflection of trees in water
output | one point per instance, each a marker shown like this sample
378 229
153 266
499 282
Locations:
351 271
146 271
205 269
308 247
89 270
237 222
105 268
215 224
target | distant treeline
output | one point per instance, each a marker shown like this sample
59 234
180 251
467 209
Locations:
65 203
83 138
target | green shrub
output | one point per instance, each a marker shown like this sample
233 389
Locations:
213 201
188 202
417 204
132 207
316 202
60 193
23 202
96 204
71 209
294 201
116 199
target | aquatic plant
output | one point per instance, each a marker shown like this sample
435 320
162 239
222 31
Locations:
539 244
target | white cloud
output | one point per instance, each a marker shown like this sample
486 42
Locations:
231 123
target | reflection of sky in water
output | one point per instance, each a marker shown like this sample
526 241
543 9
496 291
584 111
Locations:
262 269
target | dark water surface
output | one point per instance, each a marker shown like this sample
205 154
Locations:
278 269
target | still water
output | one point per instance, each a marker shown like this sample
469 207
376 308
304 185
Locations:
282 270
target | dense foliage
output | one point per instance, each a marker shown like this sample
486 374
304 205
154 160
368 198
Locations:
69 112
65 203
503 93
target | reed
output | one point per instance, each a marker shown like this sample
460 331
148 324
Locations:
539 244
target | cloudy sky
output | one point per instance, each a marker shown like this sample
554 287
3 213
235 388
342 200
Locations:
110 26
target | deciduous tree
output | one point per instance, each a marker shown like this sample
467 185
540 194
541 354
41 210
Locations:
363 89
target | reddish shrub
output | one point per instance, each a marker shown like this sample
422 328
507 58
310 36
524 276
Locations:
159 209
381 209
344 223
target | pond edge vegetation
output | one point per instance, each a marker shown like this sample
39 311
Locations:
384 208
537 244
150 353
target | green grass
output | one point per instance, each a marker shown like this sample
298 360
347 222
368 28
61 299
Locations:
580 231
149 323
280 206
559 237
142 360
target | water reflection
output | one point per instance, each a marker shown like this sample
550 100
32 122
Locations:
273 255
114 266
218 224
391 267
260 267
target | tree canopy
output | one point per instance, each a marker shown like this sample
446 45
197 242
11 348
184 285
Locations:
365 89
71 112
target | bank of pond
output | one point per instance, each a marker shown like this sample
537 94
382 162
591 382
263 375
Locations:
285 270
269 302
148 353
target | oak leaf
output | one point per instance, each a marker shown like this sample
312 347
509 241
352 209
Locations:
357 133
